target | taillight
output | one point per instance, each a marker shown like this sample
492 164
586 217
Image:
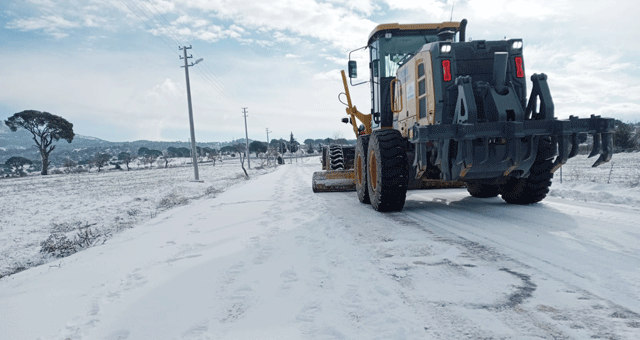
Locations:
446 70
519 68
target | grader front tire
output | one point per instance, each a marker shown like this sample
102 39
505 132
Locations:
387 170
360 168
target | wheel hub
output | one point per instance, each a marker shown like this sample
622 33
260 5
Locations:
373 170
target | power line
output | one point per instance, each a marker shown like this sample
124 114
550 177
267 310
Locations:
218 81
174 35
216 86
175 38
145 23
214 81
169 33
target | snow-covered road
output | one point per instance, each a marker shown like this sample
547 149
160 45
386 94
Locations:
269 259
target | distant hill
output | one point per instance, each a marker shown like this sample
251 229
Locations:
20 143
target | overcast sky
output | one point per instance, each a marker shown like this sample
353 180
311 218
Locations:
112 67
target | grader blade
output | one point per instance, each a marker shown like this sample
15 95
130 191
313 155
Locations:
334 181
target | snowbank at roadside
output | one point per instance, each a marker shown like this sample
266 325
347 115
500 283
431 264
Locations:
615 182
597 193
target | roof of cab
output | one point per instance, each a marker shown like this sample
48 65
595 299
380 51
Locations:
407 27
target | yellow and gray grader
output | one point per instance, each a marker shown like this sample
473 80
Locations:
447 112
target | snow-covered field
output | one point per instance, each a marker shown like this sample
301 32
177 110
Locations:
615 182
269 259
34 207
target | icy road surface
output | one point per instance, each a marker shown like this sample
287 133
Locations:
269 259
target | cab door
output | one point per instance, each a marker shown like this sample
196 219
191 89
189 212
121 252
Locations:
374 71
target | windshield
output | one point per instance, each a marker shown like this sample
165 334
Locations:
395 51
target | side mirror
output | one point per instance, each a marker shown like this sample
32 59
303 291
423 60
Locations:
353 69
345 120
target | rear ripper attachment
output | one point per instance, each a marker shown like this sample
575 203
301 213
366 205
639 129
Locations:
490 133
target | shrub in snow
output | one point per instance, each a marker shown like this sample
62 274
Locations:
86 237
211 191
69 165
57 245
79 170
172 200
65 227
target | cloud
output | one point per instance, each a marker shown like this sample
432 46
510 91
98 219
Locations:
162 6
365 7
511 10
585 82
58 21
186 28
43 3
328 22
337 60
435 8
50 24
331 76
168 88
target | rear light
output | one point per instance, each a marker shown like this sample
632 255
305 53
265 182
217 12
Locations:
519 68
446 70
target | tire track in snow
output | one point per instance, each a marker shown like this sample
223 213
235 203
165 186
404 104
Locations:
454 221
441 255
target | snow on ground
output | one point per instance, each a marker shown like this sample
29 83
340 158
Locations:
616 182
269 259
33 207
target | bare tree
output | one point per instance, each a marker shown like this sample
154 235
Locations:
69 165
125 157
165 157
240 149
101 159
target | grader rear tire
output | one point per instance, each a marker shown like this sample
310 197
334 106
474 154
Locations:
360 168
482 190
534 188
387 170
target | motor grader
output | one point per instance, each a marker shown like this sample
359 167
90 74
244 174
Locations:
449 112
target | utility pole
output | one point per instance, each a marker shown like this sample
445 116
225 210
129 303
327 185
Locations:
246 134
267 129
194 155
